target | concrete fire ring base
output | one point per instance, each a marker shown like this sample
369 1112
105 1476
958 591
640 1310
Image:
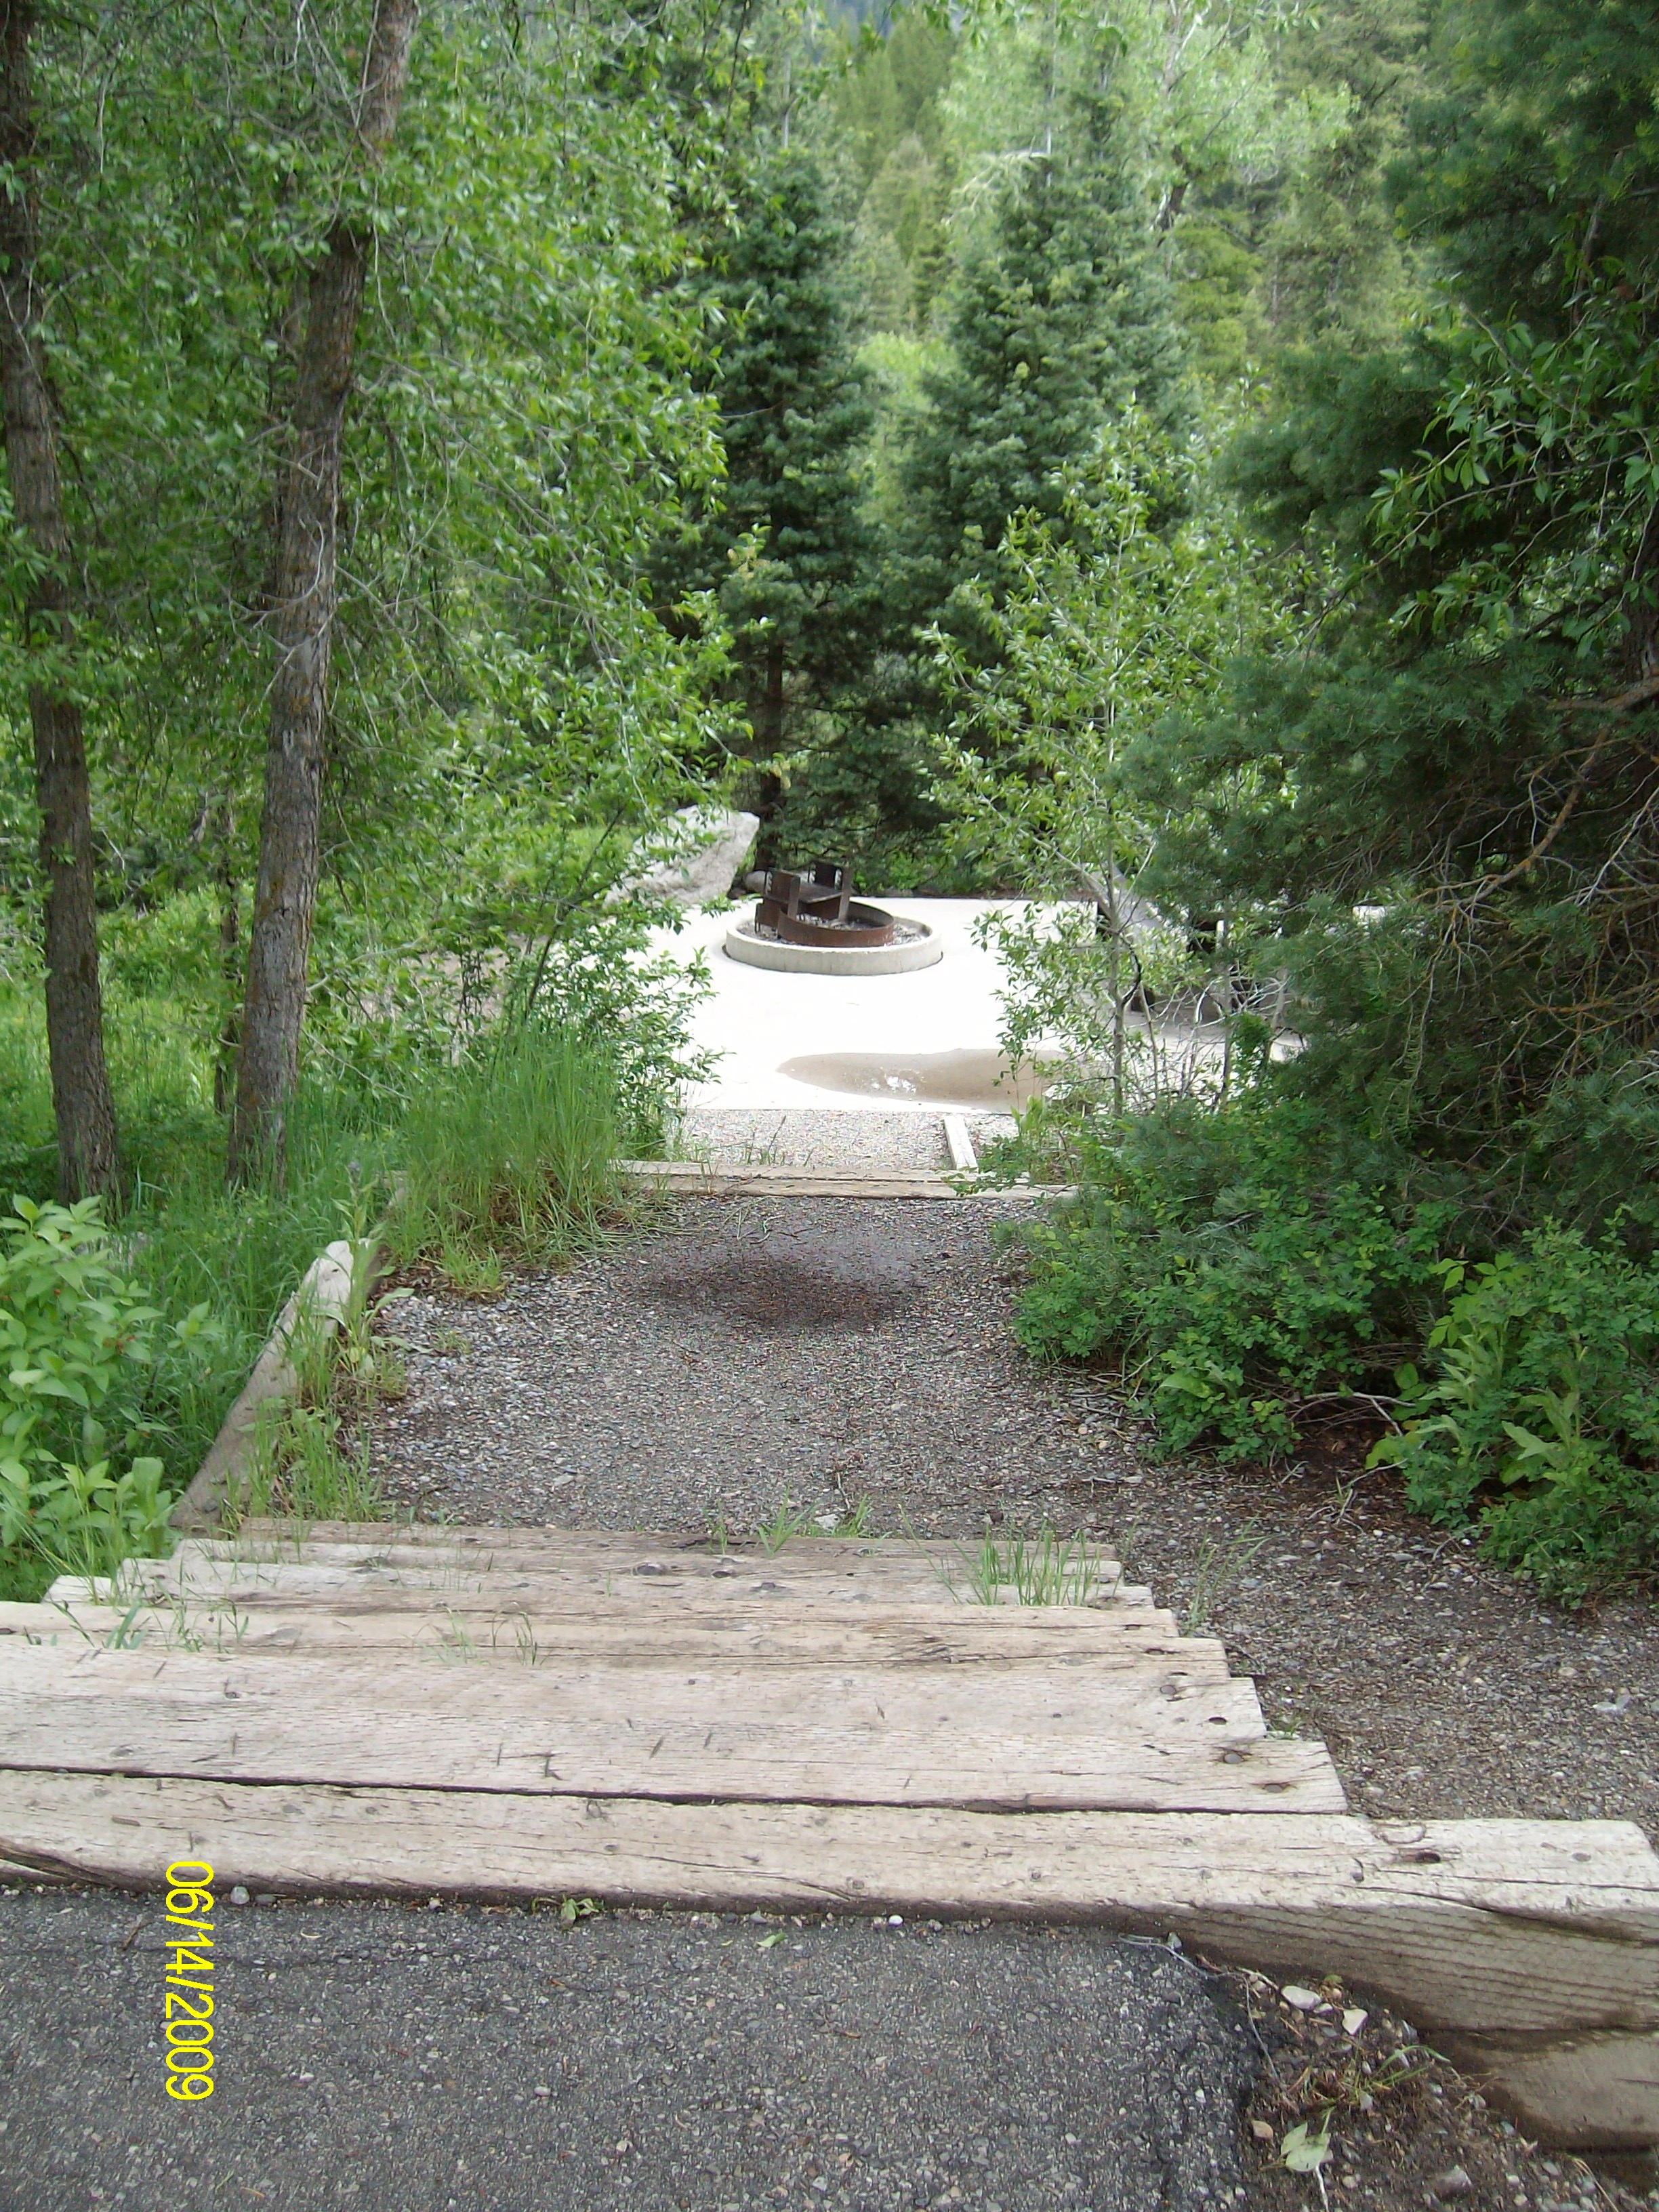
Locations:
900 959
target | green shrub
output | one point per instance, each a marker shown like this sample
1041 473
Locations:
80 1351
1235 1264
1540 1418
508 1158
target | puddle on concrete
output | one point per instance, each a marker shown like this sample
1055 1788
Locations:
941 1079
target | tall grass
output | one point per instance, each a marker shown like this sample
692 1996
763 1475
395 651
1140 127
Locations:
508 1160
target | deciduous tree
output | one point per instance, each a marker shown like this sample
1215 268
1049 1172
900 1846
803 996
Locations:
87 1159
302 619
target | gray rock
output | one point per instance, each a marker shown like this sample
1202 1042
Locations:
692 858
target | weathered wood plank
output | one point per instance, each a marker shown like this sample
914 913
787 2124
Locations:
1584 2092
691 1179
1533 1945
633 1543
648 1601
985 1637
829 1735
506 1582
879 1564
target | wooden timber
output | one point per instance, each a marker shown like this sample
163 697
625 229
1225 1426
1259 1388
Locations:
822 1736
733 1637
558 1576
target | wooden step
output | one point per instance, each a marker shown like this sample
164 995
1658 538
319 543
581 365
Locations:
636 1543
967 1636
642 1718
287 1583
573 1577
1527 1950
880 1562
692 1179
1053 1737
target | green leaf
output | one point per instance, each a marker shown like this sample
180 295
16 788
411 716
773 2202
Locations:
1304 2152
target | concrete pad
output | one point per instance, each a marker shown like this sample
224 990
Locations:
757 1020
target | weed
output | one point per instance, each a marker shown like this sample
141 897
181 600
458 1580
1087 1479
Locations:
792 1519
456 1641
302 1465
1046 1569
508 1160
788 1522
1216 1568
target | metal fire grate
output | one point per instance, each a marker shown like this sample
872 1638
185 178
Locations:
816 906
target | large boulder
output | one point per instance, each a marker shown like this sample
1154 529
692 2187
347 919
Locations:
692 858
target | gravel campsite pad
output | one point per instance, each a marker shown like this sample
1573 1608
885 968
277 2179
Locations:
836 1351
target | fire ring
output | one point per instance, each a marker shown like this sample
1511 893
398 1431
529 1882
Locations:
807 922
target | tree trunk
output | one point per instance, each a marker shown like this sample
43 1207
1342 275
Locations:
230 948
768 707
302 623
88 1159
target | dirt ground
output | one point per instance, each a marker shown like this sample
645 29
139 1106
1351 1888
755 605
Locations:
1405 2130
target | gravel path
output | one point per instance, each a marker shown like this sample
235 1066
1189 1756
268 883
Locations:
837 1352
393 2059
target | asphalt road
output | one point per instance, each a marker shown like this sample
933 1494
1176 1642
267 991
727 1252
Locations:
393 2059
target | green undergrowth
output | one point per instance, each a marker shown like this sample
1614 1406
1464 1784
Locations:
1537 1413
508 1161
309 1462
85 1366
123 1343
1240 1268
309 1456
1233 1265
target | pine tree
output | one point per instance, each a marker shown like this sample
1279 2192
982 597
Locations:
1063 321
1471 737
1333 262
786 548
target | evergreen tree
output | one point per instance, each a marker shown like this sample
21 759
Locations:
785 545
892 138
1062 322
1331 257
1469 740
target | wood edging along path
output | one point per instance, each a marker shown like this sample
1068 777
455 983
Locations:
1527 1950
322 1301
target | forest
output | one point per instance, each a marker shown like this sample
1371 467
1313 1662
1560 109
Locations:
1191 463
